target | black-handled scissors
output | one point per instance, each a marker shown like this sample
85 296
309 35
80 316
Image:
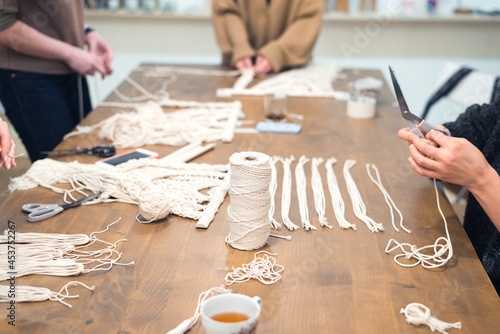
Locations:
39 212
102 151
417 125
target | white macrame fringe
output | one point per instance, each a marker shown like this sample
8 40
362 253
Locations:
286 193
300 179
189 323
39 294
358 205
419 314
337 200
319 194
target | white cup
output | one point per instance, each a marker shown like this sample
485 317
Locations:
230 303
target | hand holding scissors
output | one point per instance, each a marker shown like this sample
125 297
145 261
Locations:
39 212
417 125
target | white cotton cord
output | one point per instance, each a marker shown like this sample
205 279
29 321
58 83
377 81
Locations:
52 238
319 194
301 182
358 205
248 211
189 323
263 268
149 124
419 314
286 193
273 186
442 248
165 70
146 96
387 197
337 200
39 294
309 81
245 79
158 186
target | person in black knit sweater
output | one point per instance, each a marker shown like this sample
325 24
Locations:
470 158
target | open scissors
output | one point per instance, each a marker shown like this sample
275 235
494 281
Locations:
39 212
418 126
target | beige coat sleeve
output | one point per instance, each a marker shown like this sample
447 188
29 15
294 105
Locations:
8 10
230 31
294 47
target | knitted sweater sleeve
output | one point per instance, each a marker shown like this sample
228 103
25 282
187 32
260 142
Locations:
476 124
230 31
294 47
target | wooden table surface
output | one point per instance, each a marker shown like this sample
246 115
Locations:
335 281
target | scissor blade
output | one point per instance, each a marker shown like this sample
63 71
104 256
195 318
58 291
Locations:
71 151
405 111
80 201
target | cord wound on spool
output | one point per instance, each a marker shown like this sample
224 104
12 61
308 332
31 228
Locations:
250 200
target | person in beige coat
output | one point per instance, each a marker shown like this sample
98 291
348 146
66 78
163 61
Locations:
268 35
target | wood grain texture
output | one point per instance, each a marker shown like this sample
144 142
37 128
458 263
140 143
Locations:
335 281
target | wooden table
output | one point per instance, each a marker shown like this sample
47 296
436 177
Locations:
335 281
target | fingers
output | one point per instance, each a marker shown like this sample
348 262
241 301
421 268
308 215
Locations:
438 137
6 144
421 170
405 134
262 65
244 63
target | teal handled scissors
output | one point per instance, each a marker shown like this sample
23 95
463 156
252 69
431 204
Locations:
39 212
417 125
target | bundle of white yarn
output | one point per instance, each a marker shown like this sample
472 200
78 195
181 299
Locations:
248 211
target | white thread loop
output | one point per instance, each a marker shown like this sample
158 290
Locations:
388 199
248 211
419 314
286 193
273 185
319 194
189 323
263 268
300 179
440 252
337 200
358 205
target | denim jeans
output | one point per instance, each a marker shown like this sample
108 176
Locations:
42 107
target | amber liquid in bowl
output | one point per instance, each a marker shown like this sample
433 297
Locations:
230 317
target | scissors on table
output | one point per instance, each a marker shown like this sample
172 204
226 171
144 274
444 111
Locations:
39 212
418 126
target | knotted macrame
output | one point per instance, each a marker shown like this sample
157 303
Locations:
309 81
150 125
160 187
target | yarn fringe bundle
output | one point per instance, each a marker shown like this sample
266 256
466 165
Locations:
419 314
150 125
160 187
58 255
248 211
40 294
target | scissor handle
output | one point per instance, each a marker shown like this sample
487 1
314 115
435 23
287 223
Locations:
428 128
39 212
